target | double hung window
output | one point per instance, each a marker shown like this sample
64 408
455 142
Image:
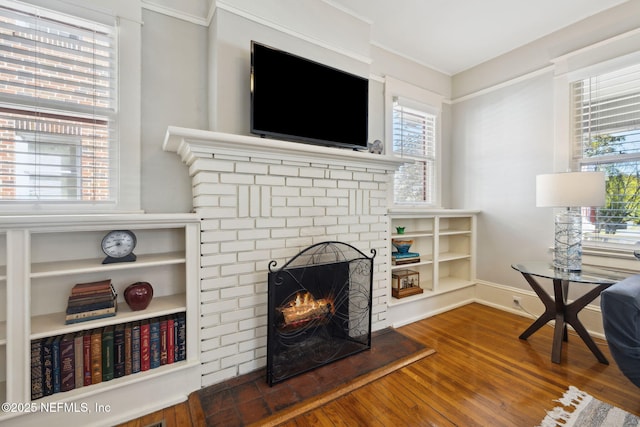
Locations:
414 140
606 137
57 108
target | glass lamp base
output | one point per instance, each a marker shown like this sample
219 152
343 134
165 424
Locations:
567 251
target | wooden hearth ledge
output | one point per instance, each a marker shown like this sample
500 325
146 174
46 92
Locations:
322 399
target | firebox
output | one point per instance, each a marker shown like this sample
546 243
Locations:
319 309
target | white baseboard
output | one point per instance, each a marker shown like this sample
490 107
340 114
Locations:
439 310
403 312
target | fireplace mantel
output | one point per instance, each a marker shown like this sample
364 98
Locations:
191 144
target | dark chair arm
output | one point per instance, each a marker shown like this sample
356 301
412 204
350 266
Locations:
620 306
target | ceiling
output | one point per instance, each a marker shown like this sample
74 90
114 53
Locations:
454 35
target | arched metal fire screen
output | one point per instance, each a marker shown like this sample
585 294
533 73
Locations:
319 309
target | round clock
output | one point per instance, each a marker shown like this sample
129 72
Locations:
118 246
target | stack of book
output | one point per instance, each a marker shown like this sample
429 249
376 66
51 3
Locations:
398 258
89 301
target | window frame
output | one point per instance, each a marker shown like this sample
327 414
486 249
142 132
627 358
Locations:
580 161
429 102
607 55
127 152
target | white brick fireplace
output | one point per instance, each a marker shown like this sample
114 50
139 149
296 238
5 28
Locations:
262 200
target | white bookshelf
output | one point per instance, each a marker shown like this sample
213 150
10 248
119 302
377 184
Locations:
49 255
3 317
445 240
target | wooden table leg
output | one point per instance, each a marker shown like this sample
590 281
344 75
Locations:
564 314
560 290
571 317
554 309
549 304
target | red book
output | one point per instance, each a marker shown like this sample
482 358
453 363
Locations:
128 349
86 358
171 342
145 360
163 341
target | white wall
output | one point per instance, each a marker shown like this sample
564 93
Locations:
174 92
501 141
504 129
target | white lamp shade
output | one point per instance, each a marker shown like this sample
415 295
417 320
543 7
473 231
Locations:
570 189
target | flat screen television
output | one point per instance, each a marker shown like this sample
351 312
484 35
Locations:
297 99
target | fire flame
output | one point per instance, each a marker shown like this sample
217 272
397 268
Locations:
304 305
304 299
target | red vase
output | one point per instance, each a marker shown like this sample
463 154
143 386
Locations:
138 295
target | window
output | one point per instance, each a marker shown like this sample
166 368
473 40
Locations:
606 137
414 139
56 173
57 108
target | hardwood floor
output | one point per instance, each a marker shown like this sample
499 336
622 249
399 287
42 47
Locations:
482 374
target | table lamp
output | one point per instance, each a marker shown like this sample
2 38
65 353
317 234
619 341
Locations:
570 190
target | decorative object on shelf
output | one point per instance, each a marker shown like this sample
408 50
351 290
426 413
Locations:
89 301
405 283
138 295
398 258
400 230
376 147
570 190
118 246
402 245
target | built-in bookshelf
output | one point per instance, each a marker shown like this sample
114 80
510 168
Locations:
3 317
445 242
51 254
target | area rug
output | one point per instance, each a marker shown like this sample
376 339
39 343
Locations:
583 410
248 400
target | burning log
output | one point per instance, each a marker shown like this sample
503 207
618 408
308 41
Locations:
304 309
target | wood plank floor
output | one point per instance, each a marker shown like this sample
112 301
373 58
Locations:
482 374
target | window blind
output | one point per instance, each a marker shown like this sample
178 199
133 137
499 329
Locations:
606 137
57 107
414 139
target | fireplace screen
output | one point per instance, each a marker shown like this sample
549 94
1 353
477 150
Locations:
319 309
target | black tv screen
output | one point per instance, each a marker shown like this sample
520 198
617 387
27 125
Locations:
301 100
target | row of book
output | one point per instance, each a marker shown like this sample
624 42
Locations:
89 301
66 362
398 258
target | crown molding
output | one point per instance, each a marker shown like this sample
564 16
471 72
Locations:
178 14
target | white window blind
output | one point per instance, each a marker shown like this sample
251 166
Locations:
414 139
607 138
57 107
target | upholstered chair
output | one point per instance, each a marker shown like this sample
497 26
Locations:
620 305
